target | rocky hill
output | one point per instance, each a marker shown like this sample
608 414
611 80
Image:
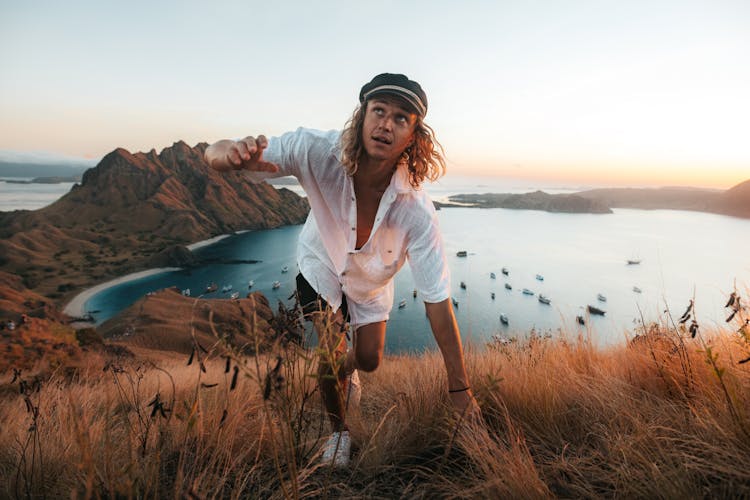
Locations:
128 210
168 321
734 201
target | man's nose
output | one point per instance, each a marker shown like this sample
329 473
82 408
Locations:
386 123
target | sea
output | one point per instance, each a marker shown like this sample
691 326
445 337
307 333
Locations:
569 258
32 196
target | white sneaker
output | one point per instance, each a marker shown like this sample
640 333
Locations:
354 392
337 450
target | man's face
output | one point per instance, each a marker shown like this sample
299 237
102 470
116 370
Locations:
388 129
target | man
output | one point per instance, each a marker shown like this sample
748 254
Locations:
368 216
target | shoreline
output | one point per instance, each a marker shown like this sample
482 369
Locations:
205 243
74 308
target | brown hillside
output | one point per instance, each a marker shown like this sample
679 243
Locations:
735 201
16 301
166 320
128 209
652 198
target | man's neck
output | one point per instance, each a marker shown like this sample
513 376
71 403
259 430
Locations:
377 174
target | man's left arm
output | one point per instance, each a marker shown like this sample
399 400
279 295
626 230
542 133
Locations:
445 329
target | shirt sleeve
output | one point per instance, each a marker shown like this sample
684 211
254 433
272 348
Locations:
426 255
295 153
288 151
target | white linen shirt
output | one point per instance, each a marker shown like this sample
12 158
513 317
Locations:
405 228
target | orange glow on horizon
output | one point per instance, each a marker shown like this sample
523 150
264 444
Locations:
615 176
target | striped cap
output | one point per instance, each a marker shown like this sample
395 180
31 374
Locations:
396 84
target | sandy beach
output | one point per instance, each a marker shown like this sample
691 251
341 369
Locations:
75 308
205 243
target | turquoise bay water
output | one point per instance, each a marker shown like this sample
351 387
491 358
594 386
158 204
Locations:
579 256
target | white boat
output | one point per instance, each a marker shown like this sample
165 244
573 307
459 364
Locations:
503 318
526 291
226 288
508 287
540 277
637 290
492 275
601 298
186 292
461 253
250 283
543 299
235 295
402 304
276 284
285 269
211 287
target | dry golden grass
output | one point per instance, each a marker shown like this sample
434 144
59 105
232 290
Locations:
653 417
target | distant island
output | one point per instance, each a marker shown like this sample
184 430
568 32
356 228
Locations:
734 201
538 200
26 170
46 180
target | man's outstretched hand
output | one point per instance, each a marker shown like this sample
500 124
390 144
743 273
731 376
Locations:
245 154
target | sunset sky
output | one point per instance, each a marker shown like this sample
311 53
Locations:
589 92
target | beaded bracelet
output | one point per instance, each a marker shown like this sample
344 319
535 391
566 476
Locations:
459 390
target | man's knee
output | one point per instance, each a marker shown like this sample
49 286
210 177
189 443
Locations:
369 362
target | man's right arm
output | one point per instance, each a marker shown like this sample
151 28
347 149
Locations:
245 154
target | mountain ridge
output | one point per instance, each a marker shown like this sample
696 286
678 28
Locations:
131 208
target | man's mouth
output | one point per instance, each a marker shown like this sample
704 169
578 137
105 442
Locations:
381 139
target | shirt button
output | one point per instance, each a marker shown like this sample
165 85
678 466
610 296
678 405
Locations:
354 229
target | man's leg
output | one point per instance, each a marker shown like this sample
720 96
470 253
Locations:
331 371
369 341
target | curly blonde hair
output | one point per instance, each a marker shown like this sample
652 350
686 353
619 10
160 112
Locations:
424 157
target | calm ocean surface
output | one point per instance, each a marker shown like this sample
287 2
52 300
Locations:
579 256
29 196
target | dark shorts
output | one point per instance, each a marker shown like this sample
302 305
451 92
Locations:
312 302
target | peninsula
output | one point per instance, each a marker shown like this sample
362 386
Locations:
734 201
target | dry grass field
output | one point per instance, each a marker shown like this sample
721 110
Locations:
663 415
